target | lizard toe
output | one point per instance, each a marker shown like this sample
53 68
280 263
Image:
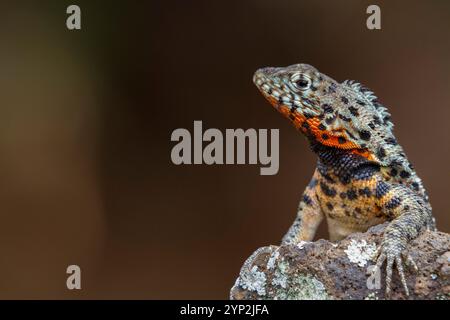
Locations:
389 267
394 259
399 264
409 261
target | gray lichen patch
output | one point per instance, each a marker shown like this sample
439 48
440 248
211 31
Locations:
280 276
301 244
272 260
371 296
303 287
288 285
360 252
442 296
254 280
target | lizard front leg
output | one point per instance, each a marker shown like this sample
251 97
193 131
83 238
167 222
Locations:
410 214
309 216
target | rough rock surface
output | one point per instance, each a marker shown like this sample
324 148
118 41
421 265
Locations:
326 270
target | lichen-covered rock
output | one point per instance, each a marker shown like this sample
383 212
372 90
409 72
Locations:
325 270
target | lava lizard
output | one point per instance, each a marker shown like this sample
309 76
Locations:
363 177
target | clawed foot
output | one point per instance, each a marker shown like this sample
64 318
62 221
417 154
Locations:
394 254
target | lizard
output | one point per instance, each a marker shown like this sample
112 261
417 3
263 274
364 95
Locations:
363 177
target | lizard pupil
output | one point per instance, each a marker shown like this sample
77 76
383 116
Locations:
302 84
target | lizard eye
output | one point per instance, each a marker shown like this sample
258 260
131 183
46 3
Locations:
300 81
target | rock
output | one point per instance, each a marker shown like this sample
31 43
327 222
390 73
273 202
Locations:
325 270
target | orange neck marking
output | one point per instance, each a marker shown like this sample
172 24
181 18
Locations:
335 138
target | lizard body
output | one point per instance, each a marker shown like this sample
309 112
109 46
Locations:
363 176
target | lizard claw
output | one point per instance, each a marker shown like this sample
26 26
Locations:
393 256
410 261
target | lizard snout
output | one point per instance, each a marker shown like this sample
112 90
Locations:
262 75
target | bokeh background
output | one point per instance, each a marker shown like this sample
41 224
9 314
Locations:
86 118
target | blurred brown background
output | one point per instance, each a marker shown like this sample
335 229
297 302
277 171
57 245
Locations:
86 118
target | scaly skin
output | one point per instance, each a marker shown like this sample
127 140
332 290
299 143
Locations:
363 177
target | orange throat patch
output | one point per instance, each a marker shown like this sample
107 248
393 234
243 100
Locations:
335 138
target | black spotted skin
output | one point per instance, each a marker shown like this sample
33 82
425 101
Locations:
362 177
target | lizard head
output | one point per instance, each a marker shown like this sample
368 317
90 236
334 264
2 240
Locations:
339 115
